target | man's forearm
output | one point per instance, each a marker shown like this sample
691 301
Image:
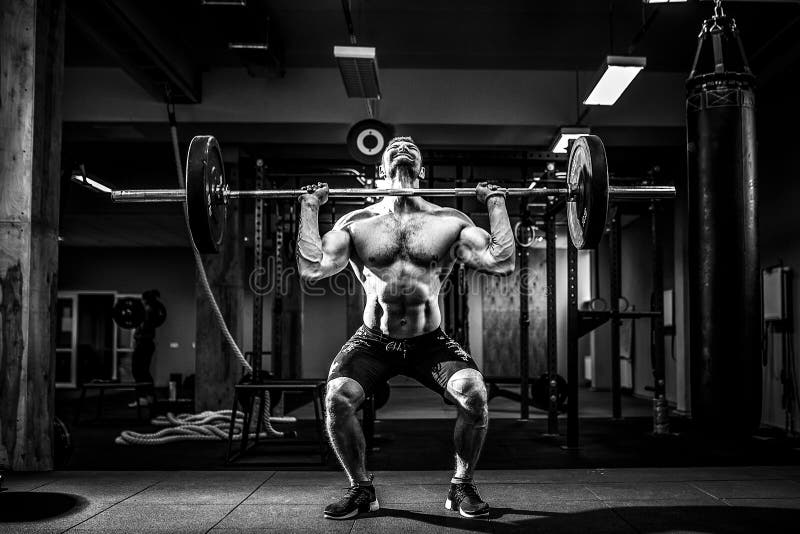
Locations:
501 246
309 242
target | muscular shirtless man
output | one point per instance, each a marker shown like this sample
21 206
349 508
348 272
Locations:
402 249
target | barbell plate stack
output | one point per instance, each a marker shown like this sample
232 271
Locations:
587 177
206 208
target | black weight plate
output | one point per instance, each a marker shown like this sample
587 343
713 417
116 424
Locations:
367 139
587 176
128 312
205 183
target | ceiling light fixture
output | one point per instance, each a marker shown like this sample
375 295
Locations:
359 69
614 76
358 66
566 134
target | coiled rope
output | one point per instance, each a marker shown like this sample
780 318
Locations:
208 425
204 426
237 352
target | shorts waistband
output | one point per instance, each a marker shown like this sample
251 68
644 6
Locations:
388 339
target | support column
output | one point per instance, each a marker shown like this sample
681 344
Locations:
680 313
31 70
615 277
257 324
287 329
552 317
573 358
216 367
660 406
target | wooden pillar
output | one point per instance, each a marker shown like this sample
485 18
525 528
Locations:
501 318
31 80
216 367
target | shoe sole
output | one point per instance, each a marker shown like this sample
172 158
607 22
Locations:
374 506
448 505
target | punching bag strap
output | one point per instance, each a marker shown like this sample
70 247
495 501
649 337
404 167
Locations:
720 28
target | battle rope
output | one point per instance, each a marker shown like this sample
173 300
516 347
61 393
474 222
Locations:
237 352
204 426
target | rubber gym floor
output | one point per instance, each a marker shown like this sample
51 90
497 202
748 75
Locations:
621 480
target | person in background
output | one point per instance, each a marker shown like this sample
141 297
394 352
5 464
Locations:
144 346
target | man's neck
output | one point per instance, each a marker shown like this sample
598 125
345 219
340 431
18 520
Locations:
402 204
403 178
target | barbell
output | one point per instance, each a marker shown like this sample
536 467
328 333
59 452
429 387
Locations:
206 195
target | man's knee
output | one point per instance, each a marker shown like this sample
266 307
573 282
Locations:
343 397
469 391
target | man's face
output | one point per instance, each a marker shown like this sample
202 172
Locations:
401 153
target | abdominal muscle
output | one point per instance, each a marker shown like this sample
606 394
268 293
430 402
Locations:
402 305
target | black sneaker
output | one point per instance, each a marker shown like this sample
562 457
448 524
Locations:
358 500
465 499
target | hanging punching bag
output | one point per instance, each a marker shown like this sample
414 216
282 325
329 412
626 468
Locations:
725 308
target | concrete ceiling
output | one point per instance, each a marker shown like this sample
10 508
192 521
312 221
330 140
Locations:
441 34
182 42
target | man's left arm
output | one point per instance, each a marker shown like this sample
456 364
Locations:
494 251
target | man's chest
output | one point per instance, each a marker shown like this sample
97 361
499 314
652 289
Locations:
422 239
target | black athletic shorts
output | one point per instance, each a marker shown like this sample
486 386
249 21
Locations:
370 357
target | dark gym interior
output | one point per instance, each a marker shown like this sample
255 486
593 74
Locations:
615 309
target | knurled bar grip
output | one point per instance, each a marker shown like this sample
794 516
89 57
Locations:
179 195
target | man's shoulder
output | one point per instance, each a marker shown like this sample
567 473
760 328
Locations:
441 211
355 216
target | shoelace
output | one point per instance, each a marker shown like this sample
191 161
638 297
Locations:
354 492
467 490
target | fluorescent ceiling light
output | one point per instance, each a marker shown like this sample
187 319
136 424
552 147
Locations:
359 69
81 177
613 78
663 1
564 136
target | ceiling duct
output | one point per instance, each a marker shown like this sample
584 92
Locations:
359 69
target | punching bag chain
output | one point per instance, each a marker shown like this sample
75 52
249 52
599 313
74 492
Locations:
718 9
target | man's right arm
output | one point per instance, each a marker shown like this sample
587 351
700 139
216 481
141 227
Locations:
319 257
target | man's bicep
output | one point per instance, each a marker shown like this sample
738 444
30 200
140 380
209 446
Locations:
336 247
475 239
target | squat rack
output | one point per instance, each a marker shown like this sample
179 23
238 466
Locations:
581 322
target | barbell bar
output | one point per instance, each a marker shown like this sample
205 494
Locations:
179 195
207 193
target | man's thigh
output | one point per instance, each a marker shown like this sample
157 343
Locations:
364 361
435 364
